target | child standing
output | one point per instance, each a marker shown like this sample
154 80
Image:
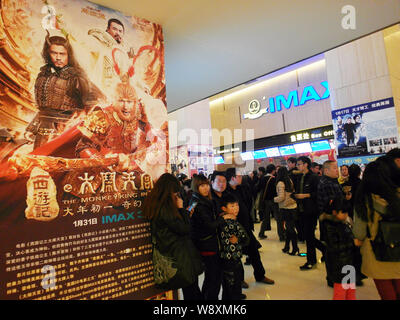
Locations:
233 239
340 249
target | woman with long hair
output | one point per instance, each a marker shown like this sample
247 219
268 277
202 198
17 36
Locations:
350 186
170 229
287 208
205 222
377 197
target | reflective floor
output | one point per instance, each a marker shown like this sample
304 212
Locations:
290 282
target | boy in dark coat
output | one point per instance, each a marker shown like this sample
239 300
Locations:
340 249
233 238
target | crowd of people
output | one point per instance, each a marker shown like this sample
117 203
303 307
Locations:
219 212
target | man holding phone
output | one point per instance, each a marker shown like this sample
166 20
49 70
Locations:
306 197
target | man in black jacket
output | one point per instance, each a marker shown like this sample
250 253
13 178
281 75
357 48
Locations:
234 182
271 208
306 196
260 185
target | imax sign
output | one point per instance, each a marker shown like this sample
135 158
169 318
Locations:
294 98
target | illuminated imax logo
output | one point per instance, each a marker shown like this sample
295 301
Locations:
276 103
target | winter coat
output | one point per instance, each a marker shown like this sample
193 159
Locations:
339 246
284 199
328 189
205 222
233 251
308 206
370 266
294 175
245 220
247 195
172 237
243 217
268 191
351 186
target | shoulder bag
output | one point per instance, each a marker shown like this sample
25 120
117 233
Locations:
176 268
266 188
386 244
163 266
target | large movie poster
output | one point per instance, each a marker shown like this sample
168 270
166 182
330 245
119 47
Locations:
367 129
83 135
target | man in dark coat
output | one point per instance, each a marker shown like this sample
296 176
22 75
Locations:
271 208
306 196
259 188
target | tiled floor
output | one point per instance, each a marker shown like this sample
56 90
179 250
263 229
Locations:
290 282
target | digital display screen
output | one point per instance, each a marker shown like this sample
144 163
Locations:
219 160
320 145
332 144
247 155
302 147
259 154
272 152
287 150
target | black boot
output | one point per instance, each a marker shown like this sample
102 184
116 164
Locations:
287 245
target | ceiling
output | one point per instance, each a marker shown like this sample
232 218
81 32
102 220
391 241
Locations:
214 45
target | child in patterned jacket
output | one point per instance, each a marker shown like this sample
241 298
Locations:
233 238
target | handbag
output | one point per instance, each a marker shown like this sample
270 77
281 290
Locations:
386 245
176 270
163 266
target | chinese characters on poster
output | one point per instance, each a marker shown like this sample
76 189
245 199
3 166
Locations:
83 136
367 129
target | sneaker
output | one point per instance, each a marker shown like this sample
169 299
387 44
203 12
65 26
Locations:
266 281
243 296
245 285
262 236
329 283
308 266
